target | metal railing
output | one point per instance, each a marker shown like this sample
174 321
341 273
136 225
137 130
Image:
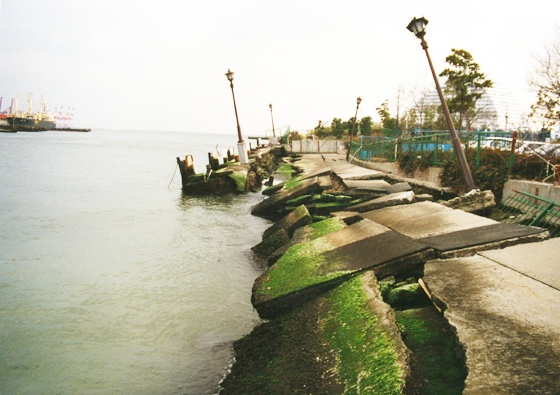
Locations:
432 143
527 209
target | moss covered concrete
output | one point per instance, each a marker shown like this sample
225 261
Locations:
300 267
369 359
240 180
437 362
338 343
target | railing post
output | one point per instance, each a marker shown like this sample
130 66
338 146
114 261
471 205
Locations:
436 149
512 154
421 145
478 150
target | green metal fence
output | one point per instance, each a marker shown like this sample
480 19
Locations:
433 145
528 209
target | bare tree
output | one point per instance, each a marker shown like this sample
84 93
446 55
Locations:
545 82
420 101
398 102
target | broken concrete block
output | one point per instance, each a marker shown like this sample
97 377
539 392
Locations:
399 187
309 269
274 204
419 220
394 199
349 217
297 218
472 201
272 243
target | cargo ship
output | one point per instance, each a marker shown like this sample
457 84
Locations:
18 121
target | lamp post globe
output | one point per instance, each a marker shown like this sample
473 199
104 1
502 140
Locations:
229 75
418 26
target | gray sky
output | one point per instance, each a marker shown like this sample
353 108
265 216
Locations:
159 65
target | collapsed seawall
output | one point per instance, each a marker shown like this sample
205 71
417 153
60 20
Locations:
347 298
329 328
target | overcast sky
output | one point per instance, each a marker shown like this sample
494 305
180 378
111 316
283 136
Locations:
159 65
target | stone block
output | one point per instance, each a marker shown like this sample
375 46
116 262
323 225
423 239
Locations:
272 243
297 218
394 199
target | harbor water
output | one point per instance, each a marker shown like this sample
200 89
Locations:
112 281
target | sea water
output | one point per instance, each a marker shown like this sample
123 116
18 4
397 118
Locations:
111 280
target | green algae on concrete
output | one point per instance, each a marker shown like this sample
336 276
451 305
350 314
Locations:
286 169
437 362
241 181
272 243
293 182
300 267
368 356
339 343
326 226
299 200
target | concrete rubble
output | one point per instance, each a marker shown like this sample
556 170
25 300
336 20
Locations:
497 286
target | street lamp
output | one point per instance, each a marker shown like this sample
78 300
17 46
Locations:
418 26
359 100
241 146
273 132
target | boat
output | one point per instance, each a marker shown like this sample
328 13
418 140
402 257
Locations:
18 121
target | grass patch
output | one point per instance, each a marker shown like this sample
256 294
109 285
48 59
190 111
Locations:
367 355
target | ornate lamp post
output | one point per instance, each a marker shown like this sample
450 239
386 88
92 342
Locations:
417 26
359 100
241 146
273 132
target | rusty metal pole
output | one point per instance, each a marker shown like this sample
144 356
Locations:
236 117
461 158
359 100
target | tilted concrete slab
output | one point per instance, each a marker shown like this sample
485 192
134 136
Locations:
312 165
296 219
469 241
400 187
348 171
540 261
349 217
303 350
325 182
506 322
368 185
268 207
394 199
309 269
424 219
